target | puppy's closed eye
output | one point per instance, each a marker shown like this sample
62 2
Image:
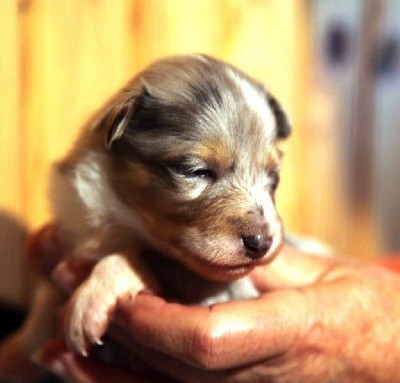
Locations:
201 170
193 168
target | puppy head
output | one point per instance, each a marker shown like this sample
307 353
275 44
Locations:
193 146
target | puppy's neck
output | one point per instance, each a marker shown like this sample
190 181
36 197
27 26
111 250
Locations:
182 285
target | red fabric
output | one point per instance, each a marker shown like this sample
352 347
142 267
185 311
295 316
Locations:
391 262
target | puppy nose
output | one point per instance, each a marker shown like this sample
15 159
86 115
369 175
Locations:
256 245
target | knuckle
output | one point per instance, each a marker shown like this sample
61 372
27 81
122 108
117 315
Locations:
207 348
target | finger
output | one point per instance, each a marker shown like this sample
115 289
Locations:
71 272
14 366
183 372
294 268
170 367
55 358
219 337
166 364
45 249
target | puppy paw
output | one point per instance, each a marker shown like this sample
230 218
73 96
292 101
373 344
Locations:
87 318
91 307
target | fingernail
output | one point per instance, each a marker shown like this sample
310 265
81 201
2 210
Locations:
55 366
37 356
49 362
64 276
44 250
49 241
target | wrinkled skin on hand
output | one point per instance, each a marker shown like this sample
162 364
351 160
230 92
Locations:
318 319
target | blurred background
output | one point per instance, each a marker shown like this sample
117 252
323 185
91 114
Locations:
333 64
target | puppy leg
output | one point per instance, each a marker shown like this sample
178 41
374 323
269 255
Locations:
92 305
16 350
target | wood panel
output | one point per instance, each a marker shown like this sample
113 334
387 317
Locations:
12 230
76 53
74 56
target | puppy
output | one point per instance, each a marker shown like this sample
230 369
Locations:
181 165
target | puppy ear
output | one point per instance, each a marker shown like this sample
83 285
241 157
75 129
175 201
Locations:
117 122
119 119
283 125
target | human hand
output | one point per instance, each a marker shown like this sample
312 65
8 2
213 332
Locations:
317 319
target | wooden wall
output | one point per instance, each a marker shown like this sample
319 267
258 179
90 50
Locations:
60 59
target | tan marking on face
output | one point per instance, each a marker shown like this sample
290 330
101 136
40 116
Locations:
214 153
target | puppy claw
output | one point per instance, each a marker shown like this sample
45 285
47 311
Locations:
91 306
86 321
75 344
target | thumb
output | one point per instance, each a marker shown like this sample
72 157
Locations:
293 268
